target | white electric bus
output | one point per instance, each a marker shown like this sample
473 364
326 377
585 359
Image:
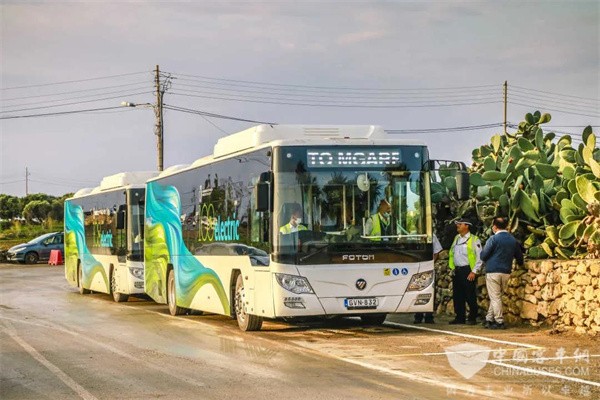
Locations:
104 229
222 234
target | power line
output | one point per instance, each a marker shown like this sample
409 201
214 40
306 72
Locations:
77 102
449 129
537 96
75 81
343 91
121 92
553 109
207 114
554 93
359 96
565 105
8 183
326 87
59 113
290 103
75 91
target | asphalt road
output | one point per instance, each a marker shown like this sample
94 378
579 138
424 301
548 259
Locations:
58 344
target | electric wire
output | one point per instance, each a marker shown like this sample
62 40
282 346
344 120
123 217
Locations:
555 104
554 93
321 104
58 113
345 96
207 114
77 102
121 92
175 75
558 99
75 81
74 91
344 91
552 109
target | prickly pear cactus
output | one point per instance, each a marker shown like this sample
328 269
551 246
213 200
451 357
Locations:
549 189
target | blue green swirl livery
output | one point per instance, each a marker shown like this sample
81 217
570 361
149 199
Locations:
76 249
163 244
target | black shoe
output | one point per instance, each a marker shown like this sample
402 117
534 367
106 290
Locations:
429 321
457 322
487 324
497 325
471 322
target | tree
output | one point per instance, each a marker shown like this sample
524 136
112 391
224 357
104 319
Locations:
37 210
57 210
10 206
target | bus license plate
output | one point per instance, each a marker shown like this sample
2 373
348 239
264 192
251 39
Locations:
362 303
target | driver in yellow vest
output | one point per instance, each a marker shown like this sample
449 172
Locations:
380 223
295 221
464 259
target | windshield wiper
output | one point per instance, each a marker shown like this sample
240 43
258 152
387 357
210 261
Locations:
322 249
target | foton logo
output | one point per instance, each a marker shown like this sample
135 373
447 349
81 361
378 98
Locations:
358 257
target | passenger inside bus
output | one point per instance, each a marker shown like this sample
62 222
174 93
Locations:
380 223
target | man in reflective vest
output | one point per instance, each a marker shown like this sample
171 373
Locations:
380 223
295 221
465 261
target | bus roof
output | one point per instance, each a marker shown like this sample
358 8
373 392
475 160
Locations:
120 180
265 135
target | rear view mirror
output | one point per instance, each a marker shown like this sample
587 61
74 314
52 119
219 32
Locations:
462 185
121 217
261 196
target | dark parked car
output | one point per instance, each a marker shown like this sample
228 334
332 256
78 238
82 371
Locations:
38 249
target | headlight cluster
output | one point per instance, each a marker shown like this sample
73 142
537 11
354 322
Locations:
137 272
293 283
420 281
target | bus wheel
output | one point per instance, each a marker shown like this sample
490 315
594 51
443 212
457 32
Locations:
246 322
80 282
117 297
373 319
171 296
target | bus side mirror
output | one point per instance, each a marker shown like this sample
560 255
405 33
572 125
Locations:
261 196
121 217
462 185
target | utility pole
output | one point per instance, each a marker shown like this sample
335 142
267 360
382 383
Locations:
505 104
26 182
158 112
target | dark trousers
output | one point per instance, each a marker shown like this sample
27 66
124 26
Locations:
464 291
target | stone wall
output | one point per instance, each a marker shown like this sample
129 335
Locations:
564 295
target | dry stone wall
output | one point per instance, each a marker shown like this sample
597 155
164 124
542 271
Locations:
564 295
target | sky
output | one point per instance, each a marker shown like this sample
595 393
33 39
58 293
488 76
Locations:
401 65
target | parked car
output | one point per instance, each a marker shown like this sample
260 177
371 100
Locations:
37 249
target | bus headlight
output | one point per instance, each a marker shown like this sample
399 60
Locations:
293 283
420 281
137 272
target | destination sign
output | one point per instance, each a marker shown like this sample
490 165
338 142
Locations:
352 158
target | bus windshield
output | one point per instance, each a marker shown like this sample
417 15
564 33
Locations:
324 212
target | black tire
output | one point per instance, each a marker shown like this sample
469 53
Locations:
246 322
31 258
117 297
373 319
174 309
79 283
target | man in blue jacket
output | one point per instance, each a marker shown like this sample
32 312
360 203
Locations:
498 254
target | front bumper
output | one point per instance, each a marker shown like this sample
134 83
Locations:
15 256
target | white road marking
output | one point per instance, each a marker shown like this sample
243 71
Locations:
544 373
413 377
465 335
77 388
